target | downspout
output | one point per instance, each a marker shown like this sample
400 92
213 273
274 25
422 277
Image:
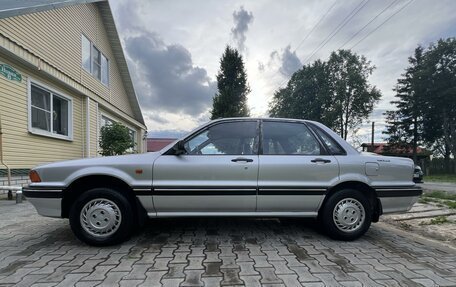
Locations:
87 126
8 170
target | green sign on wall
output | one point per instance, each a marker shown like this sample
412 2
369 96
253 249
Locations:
10 73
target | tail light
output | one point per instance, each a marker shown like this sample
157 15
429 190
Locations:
34 177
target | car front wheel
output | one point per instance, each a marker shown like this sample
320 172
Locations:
101 216
347 215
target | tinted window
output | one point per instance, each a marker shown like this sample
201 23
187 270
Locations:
288 138
235 138
333 147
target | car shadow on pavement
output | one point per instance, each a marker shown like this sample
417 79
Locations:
247 230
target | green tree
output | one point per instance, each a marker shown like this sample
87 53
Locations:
439 112
231 98
405 123
115 139
426 101
336 92
353 98
306 96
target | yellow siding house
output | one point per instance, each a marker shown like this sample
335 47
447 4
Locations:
63 75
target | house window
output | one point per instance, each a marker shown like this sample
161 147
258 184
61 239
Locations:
94 62
104 70
105 121
50 113
86 53
133 140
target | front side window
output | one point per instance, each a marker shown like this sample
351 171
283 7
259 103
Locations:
281 138
49 112
234 138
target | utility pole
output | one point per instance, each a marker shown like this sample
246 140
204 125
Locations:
372 138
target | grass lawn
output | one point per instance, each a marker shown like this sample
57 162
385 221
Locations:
440 177
441 198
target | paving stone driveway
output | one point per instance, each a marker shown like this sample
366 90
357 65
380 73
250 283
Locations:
38 251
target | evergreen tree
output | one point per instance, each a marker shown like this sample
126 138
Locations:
405 124
231 98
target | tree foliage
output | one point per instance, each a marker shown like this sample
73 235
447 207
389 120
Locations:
336 93
231 98
426 100
405 124
115 139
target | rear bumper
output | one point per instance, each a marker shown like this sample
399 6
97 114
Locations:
398 199
46 200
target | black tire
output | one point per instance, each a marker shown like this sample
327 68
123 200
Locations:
353 230
111 204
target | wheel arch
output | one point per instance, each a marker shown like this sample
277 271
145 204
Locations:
87 182
360 186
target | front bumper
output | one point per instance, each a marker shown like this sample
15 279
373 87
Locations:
46 200
398 199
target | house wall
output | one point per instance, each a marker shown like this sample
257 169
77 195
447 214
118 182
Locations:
22 149
55 36
46 47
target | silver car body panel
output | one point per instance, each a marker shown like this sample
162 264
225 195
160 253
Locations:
50 207
204 183
211 185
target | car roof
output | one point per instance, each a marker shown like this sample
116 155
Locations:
259 118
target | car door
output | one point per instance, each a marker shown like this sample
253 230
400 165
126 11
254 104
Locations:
295 169
218 173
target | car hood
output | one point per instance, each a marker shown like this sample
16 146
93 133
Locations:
106 160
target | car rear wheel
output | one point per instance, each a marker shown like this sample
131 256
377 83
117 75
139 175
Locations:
101 216
346 215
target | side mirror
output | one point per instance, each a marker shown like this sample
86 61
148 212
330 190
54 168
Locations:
179 148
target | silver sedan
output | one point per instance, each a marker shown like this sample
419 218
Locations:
228 167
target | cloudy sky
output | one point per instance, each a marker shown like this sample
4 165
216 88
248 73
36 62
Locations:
174 47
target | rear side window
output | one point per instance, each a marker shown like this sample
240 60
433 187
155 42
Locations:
333 147
282 138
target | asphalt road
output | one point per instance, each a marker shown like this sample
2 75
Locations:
442 186
38 251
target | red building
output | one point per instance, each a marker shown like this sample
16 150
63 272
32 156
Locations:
156 144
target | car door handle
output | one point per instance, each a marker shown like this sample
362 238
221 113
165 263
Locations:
321 160
242 159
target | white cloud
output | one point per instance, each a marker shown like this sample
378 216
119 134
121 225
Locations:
203 28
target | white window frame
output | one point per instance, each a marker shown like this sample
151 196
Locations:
53 92
91 72
104 115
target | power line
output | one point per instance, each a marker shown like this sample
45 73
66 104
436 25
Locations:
333 32
315 26
344 22
310 32
368 23
381 24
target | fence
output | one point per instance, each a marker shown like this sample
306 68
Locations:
437 166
